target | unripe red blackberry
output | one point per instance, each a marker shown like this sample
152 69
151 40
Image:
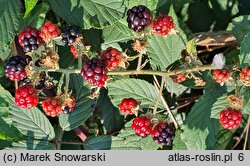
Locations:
162 134
245 75
138 18
49 30
111 58
29 39
26 96
74 51
142 126
95 72
52 107
128 106
162 24
230 118
69 35
178 78
221 75
14 68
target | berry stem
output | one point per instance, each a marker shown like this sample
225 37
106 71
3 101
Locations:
163 79
79 55
243 133
246 137
134 72
139 62
66 88
156 84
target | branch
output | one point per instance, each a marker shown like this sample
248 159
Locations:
166 105
135 72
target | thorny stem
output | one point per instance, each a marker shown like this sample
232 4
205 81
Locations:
16 85
66 88
246 137
166 105
59 139
79 55
134 72
244 131
159 95
139 62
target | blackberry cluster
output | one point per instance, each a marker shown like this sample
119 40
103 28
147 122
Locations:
142 126
26 96
162 24
14 68
69 35
138 18
127 105
49 30
52 106
230 118
29 39
221 75
162 134
245 75
178 78
111 58
95 72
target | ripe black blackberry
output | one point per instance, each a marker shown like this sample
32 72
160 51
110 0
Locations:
69 35
95 72
14 68
138 18
162 134
29 39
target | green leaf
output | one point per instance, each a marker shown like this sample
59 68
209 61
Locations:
245 51
223 139
1 68
128 140
163 51
200 130
112 119
31 144
151 4
241 26
246 97
83 105
36 17
29 5
219 105
178 143
138 89
9 23
116 33
177 25
8 132
32 122
98 143
89 13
